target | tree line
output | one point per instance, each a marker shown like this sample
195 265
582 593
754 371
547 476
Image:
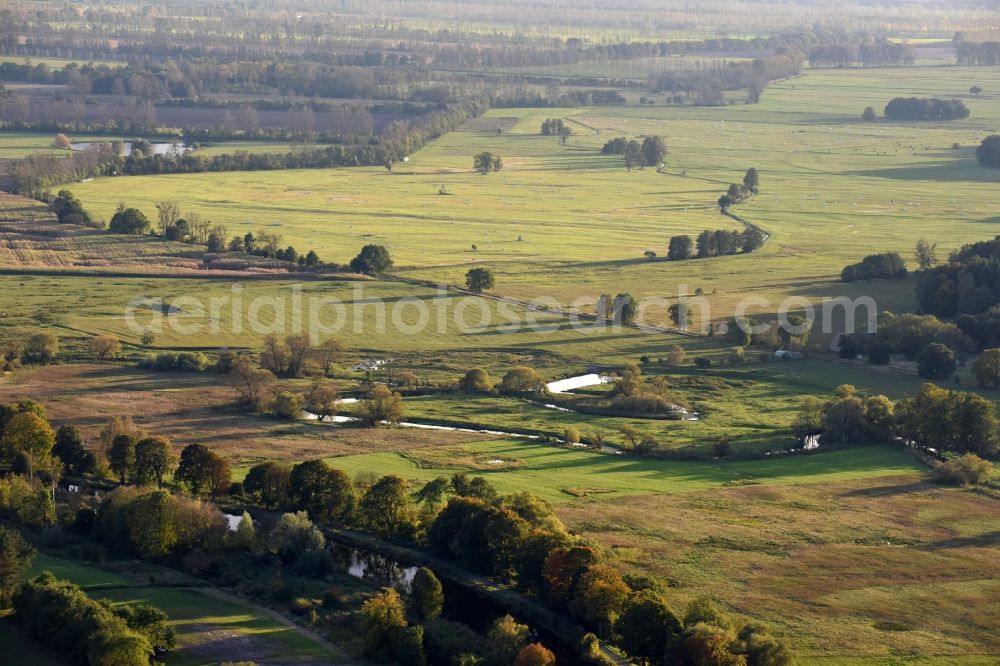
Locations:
982 54
36 173
916 108
708 87
946 421
869 53
969 284
718 243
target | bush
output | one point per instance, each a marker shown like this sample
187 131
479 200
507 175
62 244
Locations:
476 380
105 346
965 470
287 405
521 380
571 435
40 348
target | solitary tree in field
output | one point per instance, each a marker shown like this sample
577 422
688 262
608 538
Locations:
479 279
128 221
751 181
975 90
486 162
869 114
372 260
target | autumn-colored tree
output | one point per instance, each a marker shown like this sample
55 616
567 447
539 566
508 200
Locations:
535 654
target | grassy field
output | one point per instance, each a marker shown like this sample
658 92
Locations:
211 627
33 240
833 189
842 551
848 553
559 474
89 306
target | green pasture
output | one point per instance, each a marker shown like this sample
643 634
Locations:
567 222
560 474
365 316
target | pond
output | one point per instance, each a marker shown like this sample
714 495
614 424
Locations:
126 147
373 567
578 382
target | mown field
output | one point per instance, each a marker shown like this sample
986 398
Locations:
833 189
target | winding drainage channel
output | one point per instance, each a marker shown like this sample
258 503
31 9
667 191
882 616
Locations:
559 386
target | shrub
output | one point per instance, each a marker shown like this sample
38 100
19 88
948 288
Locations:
965 470
476 380
105 346
521 380
287 405
40 348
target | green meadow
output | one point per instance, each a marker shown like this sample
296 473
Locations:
566 221
559 475
365 316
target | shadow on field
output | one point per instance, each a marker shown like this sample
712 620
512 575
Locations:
888 491
988 540
955 170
